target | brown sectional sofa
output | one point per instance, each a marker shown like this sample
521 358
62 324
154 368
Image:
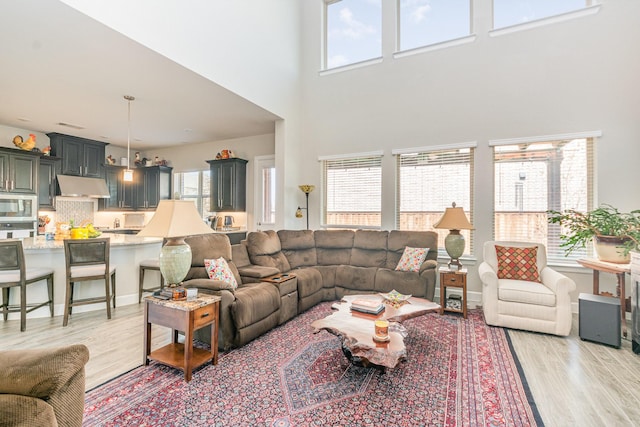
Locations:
327 265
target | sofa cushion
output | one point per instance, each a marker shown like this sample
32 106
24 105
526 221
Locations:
209 246
398 240
518 263
218 269
264 249
309 281
299 247
405 282
525 292
369 248
356 278
333 247
412 259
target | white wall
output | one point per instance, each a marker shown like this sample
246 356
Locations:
573 76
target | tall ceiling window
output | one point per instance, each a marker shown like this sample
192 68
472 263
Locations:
531 178
353 191
513 12
353 31
430 180
427 22
194 186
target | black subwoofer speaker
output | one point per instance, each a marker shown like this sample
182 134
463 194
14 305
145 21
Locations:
599 319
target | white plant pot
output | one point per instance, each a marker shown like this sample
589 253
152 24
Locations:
611 249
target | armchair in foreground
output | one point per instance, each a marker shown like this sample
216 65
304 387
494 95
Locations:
43 387
520 291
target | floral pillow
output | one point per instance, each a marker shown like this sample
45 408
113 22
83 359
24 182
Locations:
218 269
412 259
518 263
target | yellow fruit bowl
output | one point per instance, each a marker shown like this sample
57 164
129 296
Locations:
79 233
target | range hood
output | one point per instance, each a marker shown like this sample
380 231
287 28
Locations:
77 186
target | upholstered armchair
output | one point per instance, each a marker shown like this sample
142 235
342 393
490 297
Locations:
520 291
43 387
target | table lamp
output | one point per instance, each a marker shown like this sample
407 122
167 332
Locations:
174 220
454 220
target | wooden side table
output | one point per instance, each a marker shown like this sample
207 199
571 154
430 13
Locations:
185 316
453 279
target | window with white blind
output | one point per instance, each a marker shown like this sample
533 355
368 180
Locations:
353 191
194 186
532 178
429 181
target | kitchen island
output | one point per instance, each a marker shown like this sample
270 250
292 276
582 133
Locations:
127 252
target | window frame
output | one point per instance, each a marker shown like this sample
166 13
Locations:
201 200
555 254
355 158
469 210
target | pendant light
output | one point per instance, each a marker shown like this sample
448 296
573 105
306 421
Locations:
128 173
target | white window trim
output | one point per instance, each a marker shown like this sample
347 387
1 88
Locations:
560 136
470 144
378 153
435 46
549 20
348 67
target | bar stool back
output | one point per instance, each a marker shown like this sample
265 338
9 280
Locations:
88 259
148 264
13 273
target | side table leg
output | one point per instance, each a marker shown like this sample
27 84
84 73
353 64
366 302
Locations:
188 351
596 282
623 303
214 335
147 334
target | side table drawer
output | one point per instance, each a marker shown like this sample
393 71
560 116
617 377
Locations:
203 315
453 279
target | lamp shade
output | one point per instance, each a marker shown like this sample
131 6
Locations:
454 219
175 218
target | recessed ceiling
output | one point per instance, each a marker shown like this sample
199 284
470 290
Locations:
61 71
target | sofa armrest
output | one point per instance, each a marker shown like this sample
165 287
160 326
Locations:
428 265
208 284
40 372
257 271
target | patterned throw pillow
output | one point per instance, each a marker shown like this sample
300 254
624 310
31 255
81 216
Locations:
412 259
518 263
218 269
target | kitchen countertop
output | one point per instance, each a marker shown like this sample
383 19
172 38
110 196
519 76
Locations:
39 243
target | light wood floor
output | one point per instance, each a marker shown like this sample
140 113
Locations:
573 382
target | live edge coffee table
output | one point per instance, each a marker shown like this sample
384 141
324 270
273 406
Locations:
185 316
356 329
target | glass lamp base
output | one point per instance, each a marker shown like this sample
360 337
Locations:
175 261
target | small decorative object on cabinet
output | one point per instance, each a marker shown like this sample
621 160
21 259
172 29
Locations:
228 184
453 279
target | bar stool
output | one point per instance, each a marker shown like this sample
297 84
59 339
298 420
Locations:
148 264
88 259
13 273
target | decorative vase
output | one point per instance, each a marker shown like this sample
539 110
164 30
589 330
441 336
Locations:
611 249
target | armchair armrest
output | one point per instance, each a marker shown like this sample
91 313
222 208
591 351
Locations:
41 372
488 276
556 281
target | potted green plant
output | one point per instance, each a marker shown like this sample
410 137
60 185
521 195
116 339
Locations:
614 233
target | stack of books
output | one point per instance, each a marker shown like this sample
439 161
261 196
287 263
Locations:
367 306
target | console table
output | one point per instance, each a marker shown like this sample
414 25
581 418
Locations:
619 270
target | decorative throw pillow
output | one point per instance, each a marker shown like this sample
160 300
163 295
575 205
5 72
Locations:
518 263
218 269
412 259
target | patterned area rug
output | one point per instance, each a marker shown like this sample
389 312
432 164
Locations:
458 373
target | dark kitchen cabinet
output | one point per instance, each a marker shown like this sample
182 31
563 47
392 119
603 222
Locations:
80 156
47 171
152 185
228 185
122 193
18 171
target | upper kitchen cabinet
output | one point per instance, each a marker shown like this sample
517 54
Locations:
122 193
228 185
48 169
153 185
80 156
18 171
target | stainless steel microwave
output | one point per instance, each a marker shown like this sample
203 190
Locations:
18 207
